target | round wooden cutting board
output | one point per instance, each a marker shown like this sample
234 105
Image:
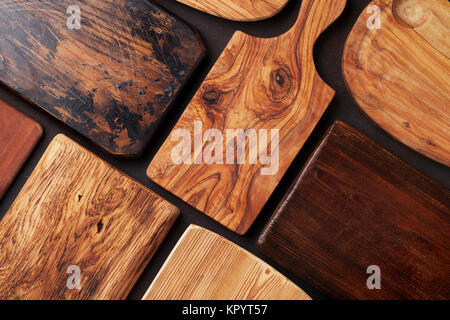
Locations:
400 78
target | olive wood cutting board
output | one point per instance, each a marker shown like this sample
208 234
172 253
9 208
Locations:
76 211
18 137
239 10
257 85
356 206
206 266
399 74
112 80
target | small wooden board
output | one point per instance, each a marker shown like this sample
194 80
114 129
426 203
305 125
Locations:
205 266
18 137
113 80
256 85
239 10
356 205
76 210
400 80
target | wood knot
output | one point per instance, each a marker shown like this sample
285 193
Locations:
213 97
280 83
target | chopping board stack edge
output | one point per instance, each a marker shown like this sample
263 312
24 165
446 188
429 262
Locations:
205 266
248 121
359 223
239 10
109 70
18 138
398 75
79 229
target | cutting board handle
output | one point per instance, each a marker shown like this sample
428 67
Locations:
316 15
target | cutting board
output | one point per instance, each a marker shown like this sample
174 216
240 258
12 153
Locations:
239 10
18 137
356 206
112 80
264 86
205 266
78 216
398 78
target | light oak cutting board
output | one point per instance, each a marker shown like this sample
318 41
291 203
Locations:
354 206
256 84
399 77
76 210
18 137
205 266
239 10
112 80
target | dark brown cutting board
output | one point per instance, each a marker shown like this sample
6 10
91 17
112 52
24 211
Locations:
356 205
77 210
257 85
18 137
113 80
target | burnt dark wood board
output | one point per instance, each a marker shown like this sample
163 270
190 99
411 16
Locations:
356 205
18 137
113 79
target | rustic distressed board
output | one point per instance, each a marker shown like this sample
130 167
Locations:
113 80
397 77
256 84
356 205
206 266
239 10
18 137
76 210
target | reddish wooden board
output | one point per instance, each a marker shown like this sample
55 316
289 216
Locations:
18 137
356 205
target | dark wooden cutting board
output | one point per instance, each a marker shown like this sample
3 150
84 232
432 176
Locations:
356 205
113 80
256 84
18 137
77 210
206 266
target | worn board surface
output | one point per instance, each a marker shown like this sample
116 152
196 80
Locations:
206 266
353 206
18 137
239 10
112 80
76 210
257 84
399 79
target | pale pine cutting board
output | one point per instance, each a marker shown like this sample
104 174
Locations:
77 210
239 10
206 266
399 77
260 84
18 137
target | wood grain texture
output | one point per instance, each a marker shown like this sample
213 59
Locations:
76 209
355 205
397 77
239 10
430 19
256 84
18 137
113 80
206 266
